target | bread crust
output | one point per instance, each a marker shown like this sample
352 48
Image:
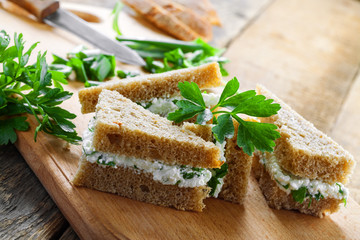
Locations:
305 151
137 185
204 8
239 168
147 87
279 199
239 164
188 17
123 127
162 19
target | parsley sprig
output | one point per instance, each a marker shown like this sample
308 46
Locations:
88 64
218 173
32 89
250 135
163 56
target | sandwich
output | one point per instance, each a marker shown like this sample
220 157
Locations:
158 94
130 151
153 86
307 171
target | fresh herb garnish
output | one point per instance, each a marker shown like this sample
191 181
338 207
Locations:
319 196
161 56
217 174
126 74
87 65
26 88
190 174
116 12
340 189
100 160
299 195
250 134
284 186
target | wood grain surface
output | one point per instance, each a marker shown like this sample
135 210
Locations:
310 60
281 50
26 210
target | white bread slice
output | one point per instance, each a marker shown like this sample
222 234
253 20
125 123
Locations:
239 164
305 151
141 186
123 127
143 88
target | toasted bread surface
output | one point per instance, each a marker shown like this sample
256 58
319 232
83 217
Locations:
134 184
123 127
150 86
304 150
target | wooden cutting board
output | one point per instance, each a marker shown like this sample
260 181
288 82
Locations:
98 215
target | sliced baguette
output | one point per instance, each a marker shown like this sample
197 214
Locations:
305 151
162 19
138 185
204 8
123 127
150 86
188 17
239 164
278 199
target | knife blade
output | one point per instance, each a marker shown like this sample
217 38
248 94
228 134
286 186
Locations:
50 13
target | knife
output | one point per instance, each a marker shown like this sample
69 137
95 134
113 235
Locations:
49 12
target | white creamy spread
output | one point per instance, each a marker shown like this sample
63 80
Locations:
164 106
218 187
292 182
183 176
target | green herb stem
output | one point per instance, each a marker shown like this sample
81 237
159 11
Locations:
26 100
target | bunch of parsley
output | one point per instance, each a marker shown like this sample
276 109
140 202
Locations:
88 64
250 135
163 56
29 89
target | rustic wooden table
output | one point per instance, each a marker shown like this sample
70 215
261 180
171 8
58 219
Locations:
316 41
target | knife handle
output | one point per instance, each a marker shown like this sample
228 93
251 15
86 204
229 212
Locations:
39 8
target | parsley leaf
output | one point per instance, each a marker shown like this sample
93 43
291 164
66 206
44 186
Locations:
186 110
255 134
32 89
87 65
299 195
250 135
224 128
126 74
8 126
217 174
192 92
340 189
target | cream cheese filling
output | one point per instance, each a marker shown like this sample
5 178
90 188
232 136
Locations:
183 176
166 105
288 182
